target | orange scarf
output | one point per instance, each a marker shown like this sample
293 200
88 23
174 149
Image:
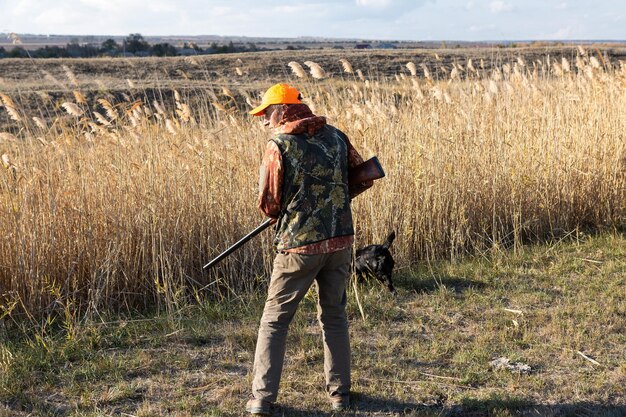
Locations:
298 119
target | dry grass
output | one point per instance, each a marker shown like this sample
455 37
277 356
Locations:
121 205
425 352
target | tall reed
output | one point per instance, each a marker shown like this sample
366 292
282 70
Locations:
113 205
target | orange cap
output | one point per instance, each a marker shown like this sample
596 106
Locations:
277 94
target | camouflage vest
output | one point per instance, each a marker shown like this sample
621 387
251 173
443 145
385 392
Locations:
315 198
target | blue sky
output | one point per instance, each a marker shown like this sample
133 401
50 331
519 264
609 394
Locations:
366 19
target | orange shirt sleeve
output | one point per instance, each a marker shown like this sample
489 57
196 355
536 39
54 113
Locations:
271 181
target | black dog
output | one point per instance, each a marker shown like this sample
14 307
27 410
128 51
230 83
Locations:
376 260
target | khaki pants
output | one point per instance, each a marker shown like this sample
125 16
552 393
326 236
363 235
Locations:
292 277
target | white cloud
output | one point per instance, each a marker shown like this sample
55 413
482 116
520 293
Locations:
561 6
379 9
298 10
373 3
498 6
481 28
159 6
21 8
221 10
289 9
562 33
105 5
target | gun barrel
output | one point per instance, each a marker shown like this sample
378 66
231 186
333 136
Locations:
240 242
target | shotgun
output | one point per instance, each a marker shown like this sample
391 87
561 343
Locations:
239 243
367 171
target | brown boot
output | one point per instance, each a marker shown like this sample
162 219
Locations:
259 407
340 402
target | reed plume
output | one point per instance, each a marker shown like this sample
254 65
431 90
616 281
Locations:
412 68
110 110
347 67
297 69
70 75
316 70
72 109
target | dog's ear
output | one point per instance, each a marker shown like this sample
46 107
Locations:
389 240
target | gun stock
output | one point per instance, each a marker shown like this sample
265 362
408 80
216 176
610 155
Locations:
369 170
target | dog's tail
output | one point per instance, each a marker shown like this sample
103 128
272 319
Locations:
389 240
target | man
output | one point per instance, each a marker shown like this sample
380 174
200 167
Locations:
304 186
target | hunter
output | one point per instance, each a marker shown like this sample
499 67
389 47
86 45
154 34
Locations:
304 186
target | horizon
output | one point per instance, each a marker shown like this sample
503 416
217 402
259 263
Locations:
6 36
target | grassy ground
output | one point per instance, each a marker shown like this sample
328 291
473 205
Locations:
559 308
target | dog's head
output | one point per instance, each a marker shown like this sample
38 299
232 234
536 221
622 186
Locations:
376 260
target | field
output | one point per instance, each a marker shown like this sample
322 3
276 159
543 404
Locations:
506 178
558 308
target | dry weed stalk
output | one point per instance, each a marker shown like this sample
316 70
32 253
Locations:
10 107
80 98
594 62
70 75
317 71
72 109
7 137
470 66
297 69
347 67
101 119
454 73
51 78
40 123
412 68
110 110
15 39
170 126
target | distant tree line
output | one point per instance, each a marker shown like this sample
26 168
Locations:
133 45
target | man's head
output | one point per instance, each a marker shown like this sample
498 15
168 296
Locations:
272 115
277 94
